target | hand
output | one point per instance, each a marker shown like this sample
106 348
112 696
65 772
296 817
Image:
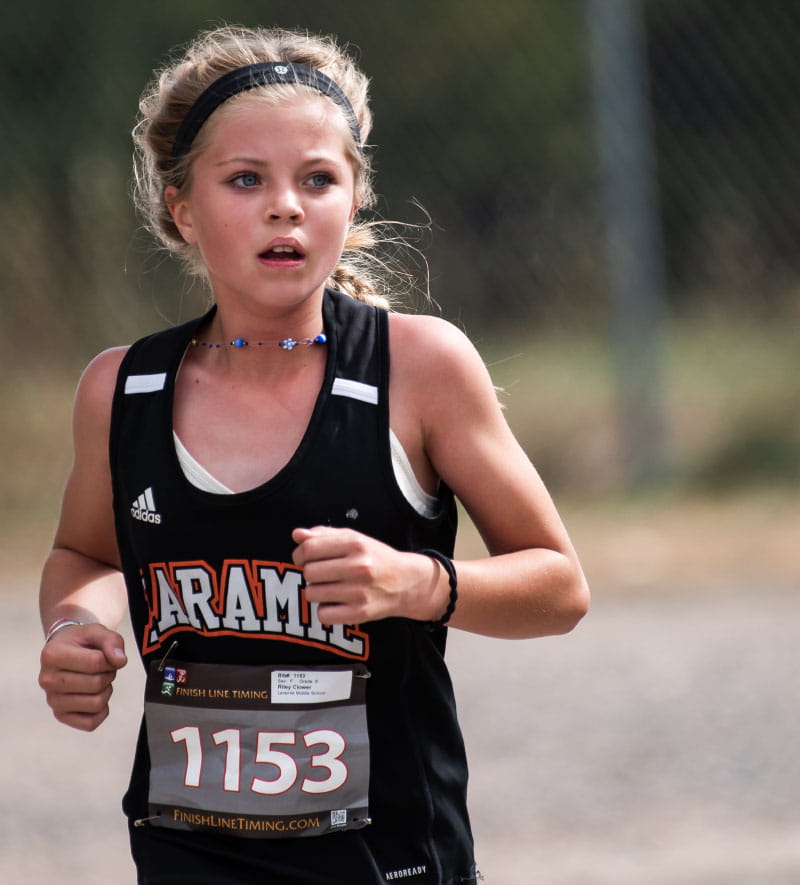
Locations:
355 579
78 666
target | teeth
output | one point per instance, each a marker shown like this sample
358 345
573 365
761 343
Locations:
282 249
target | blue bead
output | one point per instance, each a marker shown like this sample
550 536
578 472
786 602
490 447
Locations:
238 342
320 339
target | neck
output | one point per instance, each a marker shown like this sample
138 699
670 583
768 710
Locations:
238 344
288 343
238 318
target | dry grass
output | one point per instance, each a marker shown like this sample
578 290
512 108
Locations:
726 395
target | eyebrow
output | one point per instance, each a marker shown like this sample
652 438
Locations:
248 161
253 161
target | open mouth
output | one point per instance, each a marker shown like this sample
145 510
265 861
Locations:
282 253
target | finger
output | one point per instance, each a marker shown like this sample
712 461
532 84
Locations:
323 533
340 603
332 592
73 658
300 535
329 571
68 682
79 702
108 642
113 647
84 712
325 542
83 721
356 568
339 613
316 531
308 547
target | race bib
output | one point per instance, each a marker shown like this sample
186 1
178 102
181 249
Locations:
266 751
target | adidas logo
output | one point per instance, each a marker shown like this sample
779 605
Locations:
144 508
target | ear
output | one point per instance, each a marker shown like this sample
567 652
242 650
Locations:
180 211
354 208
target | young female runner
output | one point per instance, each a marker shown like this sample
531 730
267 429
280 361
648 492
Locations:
270 489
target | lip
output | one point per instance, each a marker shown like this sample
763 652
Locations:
268 258
286 242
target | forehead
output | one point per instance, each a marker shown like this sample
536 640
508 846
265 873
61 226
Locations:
274 119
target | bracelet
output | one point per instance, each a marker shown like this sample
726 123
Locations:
57 625
448 566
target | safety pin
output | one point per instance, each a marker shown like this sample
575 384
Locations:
164 659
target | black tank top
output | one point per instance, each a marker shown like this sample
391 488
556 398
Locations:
214 572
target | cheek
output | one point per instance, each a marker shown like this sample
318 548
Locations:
340 233
216 231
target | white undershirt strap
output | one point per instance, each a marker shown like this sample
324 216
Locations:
194 471
404 476
420 500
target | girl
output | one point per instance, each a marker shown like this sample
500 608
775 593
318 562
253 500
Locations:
270 489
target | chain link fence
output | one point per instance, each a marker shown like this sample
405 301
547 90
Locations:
487 117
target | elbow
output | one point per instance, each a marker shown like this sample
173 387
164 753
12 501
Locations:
575 612
573 605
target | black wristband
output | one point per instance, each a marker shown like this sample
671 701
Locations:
448 566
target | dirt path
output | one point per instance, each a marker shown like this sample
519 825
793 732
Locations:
656 744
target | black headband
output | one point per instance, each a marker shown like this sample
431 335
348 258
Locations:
263 74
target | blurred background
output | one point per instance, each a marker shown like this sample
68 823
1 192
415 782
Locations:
613 195
614 204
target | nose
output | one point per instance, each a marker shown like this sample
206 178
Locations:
284 204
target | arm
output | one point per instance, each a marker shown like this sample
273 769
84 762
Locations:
532 584
445 410
81 580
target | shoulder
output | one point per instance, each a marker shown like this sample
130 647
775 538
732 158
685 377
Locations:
415 335
434 354
96 386
440 390
86 525
101 373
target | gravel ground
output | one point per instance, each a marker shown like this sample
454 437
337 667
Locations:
654 744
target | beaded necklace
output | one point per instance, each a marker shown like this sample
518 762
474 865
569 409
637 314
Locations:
286 344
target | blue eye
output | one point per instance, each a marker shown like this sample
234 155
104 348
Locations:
320 179
246 179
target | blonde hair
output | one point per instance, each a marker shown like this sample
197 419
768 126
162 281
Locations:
174 90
